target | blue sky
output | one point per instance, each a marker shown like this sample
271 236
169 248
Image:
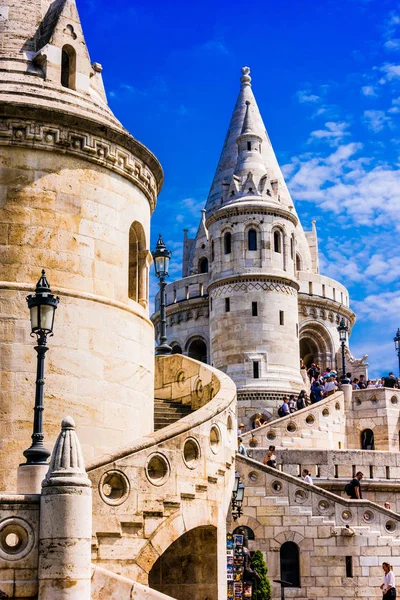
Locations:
326 76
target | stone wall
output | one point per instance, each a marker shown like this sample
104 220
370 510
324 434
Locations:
320 425
326 529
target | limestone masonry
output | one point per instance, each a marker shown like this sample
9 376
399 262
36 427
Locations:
135 502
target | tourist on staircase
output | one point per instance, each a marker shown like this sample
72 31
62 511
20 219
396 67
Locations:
388 586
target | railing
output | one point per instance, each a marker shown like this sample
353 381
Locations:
194 286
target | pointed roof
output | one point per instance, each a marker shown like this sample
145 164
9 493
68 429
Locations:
246 118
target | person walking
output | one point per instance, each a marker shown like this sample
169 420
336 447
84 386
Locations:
388 586
241 449
306 476
301 400
270 457
353 489
389 381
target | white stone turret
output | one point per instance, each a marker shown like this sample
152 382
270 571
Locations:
65 522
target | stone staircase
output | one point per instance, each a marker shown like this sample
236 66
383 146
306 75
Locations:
167 412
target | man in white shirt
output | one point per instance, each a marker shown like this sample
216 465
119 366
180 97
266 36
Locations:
330 386
306 476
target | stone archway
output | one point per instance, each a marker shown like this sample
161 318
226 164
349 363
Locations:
188 567
316 345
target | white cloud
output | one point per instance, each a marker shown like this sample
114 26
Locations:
391 71
368 90
376 120
379 308
306 97
333 133
346 184
392 45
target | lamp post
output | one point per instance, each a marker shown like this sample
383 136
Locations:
237 498
396 340
161 257
343 331
42 306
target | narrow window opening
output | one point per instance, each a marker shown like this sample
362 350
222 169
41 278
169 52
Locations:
68 67
227 304
349 566
334 294
210 303
298 262
203 265
281 317
290 563
256 369
292 248
336 471
212 251
353 471
371 471
387 472
317 471
252 240
323 290
277 242
340 445
187 292
254 309
310 291
248 145
227 243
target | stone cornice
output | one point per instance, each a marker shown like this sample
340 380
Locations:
113 149
250 208
320 302
251 278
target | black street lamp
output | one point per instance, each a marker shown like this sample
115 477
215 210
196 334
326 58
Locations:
161 257
396 340
42 305
237 498
343 331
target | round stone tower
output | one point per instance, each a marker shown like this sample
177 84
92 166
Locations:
76 195
253 230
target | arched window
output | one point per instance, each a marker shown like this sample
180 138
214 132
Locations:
198 350
176 349
137 276
212 251
228 242
277 241
252 239
367 440
298 262
290 563
203 265
244 530
68 67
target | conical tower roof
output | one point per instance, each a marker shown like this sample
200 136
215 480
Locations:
246 119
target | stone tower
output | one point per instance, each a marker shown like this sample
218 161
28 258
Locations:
252 301
76 195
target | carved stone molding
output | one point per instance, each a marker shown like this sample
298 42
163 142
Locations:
270 285
90 147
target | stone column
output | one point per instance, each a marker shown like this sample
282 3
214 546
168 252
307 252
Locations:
347 391
65 522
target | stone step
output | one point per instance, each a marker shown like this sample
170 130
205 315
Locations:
167 412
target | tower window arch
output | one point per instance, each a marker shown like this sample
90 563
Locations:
68 67
227 242
203 265
292 247
290 563
367 440
137 275
277 241
298 262
252 239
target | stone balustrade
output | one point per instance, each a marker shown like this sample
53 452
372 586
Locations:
194 286
320 425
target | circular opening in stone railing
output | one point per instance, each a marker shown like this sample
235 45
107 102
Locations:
323 506
157 469
114 487
374 401
368 516
347 516
181 378
325 412
291 427
215 439
394 400
271 435
310 419
390 526
191 453
358 401
253 476
300 496
337 406
198 389
276 487
16 539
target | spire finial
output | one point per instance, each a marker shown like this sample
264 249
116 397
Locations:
245 79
